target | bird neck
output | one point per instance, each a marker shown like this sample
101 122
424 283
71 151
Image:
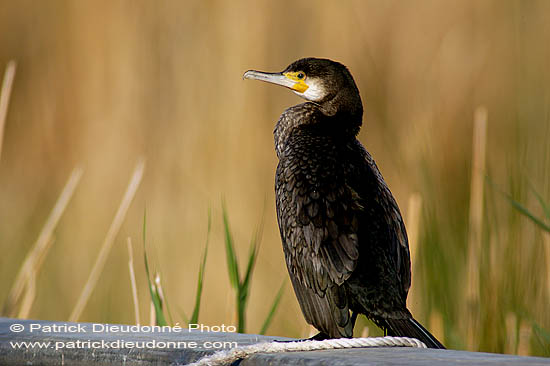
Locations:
342 124
345 106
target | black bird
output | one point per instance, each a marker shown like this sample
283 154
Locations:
344 240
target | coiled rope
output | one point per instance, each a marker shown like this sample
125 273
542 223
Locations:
226 357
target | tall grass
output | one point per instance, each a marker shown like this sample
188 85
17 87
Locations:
104 84
501 312
158 310
200 277
241 286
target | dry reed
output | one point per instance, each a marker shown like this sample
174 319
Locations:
40 248
30 288
524 339
133 185
5 94
152 314
475 223
133 280
414 211
511 333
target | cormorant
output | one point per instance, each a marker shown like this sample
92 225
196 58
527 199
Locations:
343 237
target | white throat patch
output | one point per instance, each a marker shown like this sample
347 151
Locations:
315 91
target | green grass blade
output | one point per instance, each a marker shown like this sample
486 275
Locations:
242 291
232 266
155 298
544 205
233 271
165 304
274 306
195 315
252 256
542 336
522 209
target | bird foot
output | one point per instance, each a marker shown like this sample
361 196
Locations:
317 337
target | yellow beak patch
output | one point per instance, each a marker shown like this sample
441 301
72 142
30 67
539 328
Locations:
300 83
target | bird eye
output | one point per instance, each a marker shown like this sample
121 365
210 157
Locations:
301 75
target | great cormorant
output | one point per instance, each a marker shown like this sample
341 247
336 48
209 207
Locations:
343 236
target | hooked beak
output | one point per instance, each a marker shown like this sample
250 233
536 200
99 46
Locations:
273 78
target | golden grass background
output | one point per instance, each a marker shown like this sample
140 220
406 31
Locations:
105 83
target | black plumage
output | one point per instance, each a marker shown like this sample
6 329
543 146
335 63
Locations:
343 236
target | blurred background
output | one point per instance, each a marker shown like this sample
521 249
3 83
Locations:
102 84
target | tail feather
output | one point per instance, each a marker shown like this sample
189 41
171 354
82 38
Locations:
409 327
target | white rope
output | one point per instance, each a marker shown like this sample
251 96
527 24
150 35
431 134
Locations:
226 357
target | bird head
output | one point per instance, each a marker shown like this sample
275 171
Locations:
321 81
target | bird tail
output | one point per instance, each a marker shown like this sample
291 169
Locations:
409 327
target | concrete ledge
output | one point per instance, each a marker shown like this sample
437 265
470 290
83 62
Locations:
100 344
